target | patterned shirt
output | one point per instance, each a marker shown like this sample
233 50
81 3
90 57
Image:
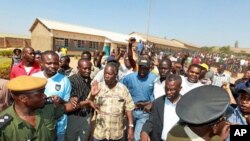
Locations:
218 79
113 105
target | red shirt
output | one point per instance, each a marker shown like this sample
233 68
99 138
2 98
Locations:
19 70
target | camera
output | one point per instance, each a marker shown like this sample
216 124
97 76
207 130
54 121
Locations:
49 100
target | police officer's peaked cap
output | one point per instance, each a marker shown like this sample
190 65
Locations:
26 84
202 105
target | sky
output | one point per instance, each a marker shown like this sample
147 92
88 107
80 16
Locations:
200 22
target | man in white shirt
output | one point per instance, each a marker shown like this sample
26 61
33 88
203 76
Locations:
192 80
165 67
163 116
220 76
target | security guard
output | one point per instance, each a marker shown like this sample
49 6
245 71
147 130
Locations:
29 118
202 113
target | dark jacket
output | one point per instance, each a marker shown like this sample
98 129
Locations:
154 125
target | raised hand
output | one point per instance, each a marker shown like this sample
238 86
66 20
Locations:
94 88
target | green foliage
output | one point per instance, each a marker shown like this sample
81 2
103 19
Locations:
6 53
208 49
225 50
5 67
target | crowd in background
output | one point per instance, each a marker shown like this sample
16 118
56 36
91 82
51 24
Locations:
133 94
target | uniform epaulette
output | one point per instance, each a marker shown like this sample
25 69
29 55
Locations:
6 118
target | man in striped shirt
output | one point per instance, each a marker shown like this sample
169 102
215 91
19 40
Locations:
78 127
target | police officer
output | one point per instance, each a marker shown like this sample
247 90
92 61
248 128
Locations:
29 118
202 113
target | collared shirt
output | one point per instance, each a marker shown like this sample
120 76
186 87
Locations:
170 117
94 71
19 70
141 89
113 104
125 70
218 79
237 118
159 87
80 87
187 86
19 130
67 72
57 85
192 135
243 85
100 76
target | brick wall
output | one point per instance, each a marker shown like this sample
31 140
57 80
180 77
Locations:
9 42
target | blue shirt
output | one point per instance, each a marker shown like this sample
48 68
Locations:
57 85
141 89
140 46
243 85
237 118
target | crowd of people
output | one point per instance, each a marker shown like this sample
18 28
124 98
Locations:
135 94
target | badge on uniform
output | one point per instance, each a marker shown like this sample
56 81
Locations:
5 119
58 87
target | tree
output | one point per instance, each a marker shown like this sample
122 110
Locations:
225 50
207 49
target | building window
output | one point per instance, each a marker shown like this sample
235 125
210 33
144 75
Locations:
79 44
59 42
93 44
66 43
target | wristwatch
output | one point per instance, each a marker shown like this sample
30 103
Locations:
131 125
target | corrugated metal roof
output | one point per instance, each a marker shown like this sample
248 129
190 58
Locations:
156 40
114 37
14 36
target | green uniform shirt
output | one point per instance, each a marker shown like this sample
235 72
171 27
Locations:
19 130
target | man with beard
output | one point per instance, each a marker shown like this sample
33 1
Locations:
192 80
114 101
141 86
29 117
27 66
241 114
78 127
57 84
165 67
163 116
